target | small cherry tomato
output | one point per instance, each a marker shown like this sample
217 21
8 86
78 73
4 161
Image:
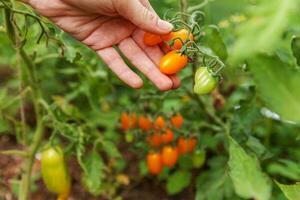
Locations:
173 62
167 136
199 158
178 37
186 145
159 123
133 120
129 137
154 163
54 171
192 142
145 123
177 120
151 39
125 121
169 156
205 82
154 140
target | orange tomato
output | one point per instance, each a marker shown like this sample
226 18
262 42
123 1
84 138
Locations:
178 37
192 144
172 62
133 120
186 145
145 123
169 156
151 39
154 140
177 120
167 136
125 121
154 163
159 122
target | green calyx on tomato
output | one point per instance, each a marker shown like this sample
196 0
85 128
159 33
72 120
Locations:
54 171
205 82
199 158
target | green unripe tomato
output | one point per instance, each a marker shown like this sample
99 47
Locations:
199 158
129 137
205 82
54 171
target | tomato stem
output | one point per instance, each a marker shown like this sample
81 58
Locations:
30 69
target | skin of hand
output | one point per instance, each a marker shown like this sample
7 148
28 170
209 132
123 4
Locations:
100 24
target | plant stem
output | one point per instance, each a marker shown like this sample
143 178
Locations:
14 152
29 68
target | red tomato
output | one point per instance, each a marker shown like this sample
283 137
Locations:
169 156
151 39
179 37
133 120
172 62
145 123
154 140
125 121
177 120
186 145
167 136
154 163
159 122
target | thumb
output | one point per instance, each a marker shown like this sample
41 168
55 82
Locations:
144 18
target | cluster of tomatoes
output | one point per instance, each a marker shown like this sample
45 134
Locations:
176 46
164 148
173 45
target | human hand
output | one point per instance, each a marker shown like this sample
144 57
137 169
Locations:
100 24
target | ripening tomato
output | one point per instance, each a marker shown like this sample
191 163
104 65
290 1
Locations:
125 121
186 145
145 123
54 171
169 156
154 140
159 122
179 38
172 62
192 142
167 136
151 39
133 120
154 163
205 82
177 120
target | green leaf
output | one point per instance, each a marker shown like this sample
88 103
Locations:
214 40
111 149
248 179
92 178
296 49
185 162
278 85
268 20
292 192
178 181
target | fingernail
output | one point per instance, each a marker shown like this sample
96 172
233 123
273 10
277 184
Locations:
164 25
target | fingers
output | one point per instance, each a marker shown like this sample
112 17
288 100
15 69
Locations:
154 53
114 61
139 59
142 17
